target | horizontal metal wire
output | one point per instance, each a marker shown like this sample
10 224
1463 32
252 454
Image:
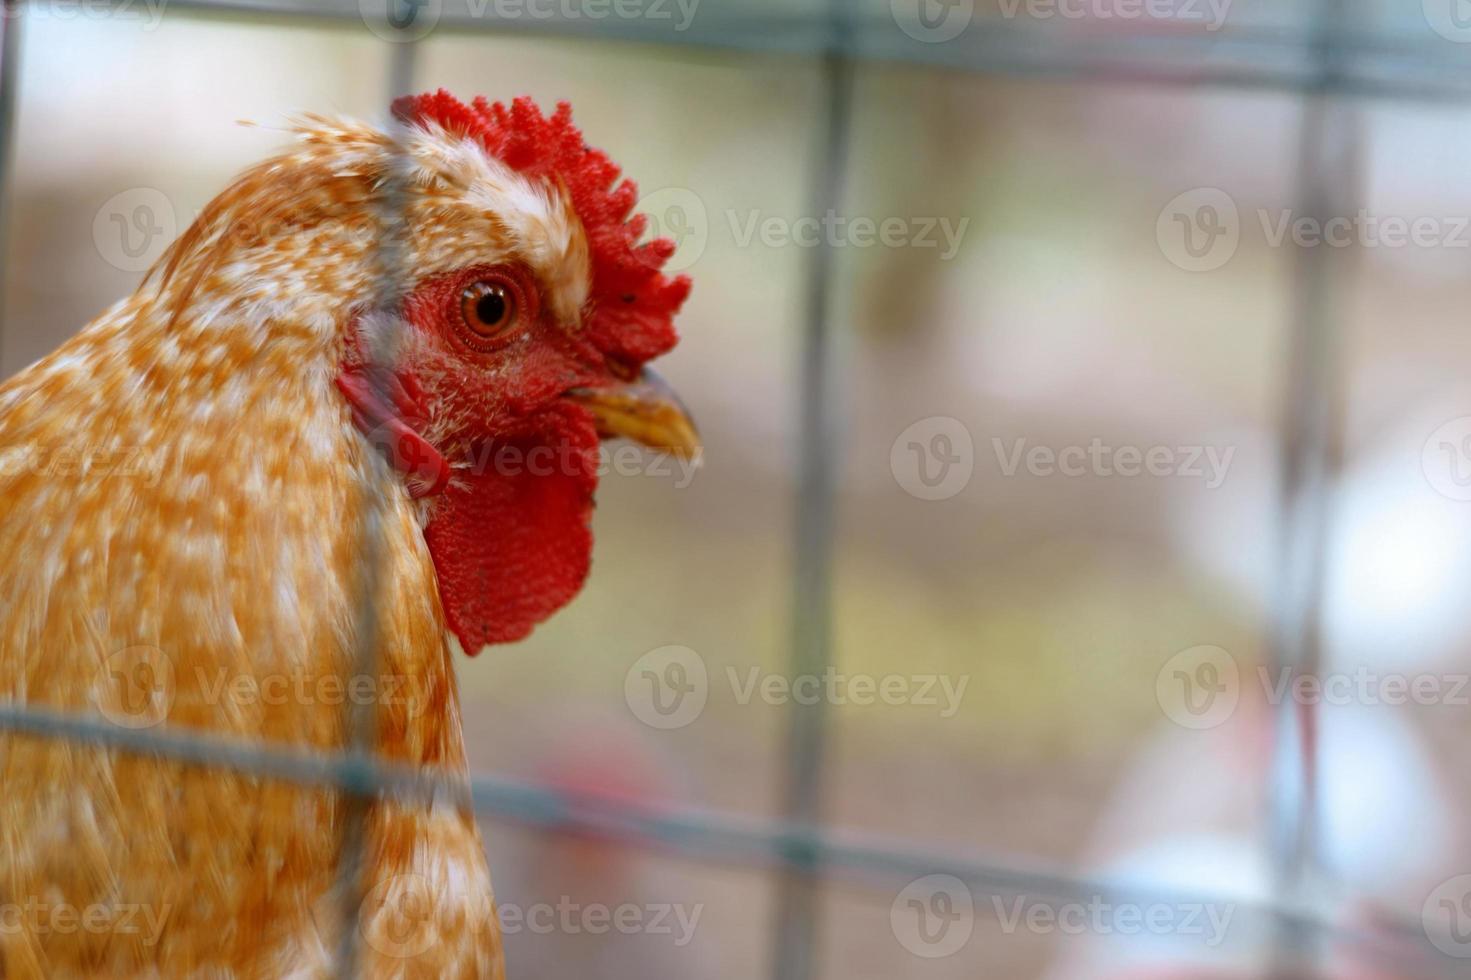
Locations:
1399 62
705 835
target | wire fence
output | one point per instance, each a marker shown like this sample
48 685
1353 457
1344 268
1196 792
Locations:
1330 62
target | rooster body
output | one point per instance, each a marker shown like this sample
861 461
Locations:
184 489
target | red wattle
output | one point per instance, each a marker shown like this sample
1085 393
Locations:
510 536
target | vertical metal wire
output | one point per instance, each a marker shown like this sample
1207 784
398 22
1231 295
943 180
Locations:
9 83
798 900
362 714
1311 458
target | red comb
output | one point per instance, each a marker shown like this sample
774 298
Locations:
631 306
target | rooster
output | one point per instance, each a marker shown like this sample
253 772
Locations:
373 374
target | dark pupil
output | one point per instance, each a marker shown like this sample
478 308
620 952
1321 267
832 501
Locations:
490 308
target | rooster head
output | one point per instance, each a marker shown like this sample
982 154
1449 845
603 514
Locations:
473 280
520 343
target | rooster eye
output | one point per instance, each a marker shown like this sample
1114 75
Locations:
488 309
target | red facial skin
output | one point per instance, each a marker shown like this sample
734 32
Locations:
479 423
390 409
495 382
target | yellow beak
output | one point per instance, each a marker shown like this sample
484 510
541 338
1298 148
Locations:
645 410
